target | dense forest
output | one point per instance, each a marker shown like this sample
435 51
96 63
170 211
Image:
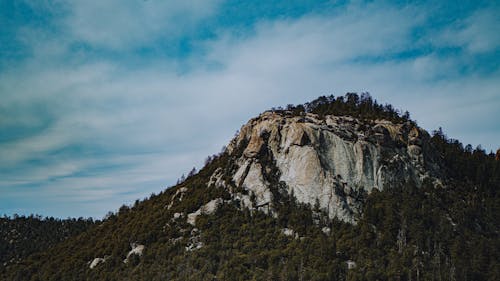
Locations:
403 233
21 236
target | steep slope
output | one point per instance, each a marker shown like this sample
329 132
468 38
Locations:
336 189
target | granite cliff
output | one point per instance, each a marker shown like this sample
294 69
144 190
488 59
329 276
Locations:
330 160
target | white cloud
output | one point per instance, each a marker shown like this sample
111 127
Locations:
119 24
479 33
318 41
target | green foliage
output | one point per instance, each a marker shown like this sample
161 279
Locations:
22 236
363 107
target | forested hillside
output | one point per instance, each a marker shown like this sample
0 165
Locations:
21 236
407 231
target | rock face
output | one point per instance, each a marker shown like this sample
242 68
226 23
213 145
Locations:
250 177
330 161
206 209
137 249
95 262
351 264
178 196
288 232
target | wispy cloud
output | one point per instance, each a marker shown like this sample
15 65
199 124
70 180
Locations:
120 24
97 121
477 33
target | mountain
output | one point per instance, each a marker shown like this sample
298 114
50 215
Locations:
336 189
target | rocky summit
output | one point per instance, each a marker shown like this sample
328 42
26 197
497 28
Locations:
329 161
341 188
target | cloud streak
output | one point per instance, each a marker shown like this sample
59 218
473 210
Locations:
120 24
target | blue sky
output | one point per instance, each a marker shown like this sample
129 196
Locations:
105 102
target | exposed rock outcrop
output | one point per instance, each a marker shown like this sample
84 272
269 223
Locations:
290 233
206 209
351 264
95 262
137 249
217 179
332 161
326 230
195 242
250 177
178 196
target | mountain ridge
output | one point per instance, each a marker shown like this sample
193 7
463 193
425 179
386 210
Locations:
241 217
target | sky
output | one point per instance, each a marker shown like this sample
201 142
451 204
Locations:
105 102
